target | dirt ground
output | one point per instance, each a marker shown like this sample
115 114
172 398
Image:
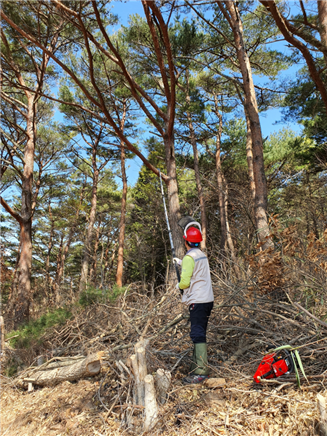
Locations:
237 408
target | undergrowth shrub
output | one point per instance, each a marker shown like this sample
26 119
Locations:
11 368
296 267
93 295
34 329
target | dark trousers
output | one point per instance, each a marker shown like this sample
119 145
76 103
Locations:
199 314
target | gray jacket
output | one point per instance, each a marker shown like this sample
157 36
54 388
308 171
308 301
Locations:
200 289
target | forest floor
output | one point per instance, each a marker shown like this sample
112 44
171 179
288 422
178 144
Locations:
240 327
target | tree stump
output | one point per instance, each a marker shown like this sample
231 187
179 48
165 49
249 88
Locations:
140 371
151 405
149 391
323 415
163 379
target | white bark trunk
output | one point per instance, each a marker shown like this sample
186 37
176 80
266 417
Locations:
151 406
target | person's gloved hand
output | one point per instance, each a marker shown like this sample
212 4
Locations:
177 286
178 261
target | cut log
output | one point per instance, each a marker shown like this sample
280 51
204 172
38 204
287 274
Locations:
163 379
323 415
86 367
151 406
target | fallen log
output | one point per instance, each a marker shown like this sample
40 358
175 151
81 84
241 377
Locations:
87 367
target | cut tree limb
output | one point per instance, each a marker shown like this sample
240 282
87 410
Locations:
322 323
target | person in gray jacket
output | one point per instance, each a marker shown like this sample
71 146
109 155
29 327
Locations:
196 288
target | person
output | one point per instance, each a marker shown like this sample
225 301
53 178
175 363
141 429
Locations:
196 288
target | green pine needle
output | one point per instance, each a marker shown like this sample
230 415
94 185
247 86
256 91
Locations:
296 371
300 363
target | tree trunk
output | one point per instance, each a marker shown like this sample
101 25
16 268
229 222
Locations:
93 272
47 263
173 201
198 184
197 171
230 242
108 266
61 266
322 16
249 155
226 237
88 239
121 239
122 224
222 210
23 296
312 207
56 289
104 264
261 195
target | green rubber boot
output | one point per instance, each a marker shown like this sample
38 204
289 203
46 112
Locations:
199 367
193 363
200 359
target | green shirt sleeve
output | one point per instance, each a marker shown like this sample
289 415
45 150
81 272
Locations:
187 271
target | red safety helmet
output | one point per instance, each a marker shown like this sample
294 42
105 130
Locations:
192 235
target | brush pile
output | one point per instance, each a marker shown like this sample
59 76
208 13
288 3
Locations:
247 316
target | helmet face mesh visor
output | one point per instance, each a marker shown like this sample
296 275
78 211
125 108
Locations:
183 222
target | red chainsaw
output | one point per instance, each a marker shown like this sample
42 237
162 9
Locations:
274 365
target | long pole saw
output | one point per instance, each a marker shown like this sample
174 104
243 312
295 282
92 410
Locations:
169 231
